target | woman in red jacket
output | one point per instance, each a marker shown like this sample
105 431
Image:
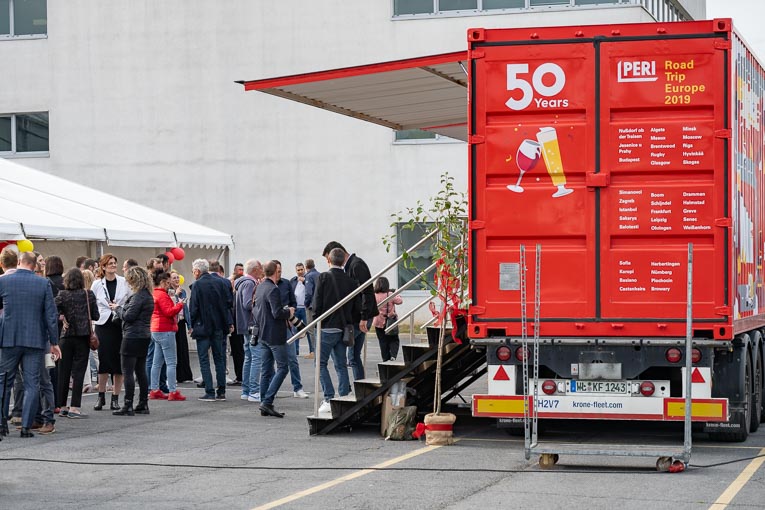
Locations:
164 324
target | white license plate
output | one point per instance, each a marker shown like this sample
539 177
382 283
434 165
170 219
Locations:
607 387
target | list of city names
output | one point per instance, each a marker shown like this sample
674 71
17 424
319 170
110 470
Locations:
658 146
660 206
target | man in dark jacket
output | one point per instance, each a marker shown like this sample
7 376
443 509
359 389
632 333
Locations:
288 297
30 326
358 270
332 287
211 320
311 276
271 319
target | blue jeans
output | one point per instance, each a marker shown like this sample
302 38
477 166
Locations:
150 364
332 345
300 314
31 362
268 379
292 361
251 368
164 355
47 398
213 343
354 353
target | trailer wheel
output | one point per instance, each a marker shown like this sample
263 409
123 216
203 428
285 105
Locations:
548 460
757 410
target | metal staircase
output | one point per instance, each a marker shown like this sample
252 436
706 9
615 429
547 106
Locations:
461 366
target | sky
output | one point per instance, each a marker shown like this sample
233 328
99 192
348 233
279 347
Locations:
748 17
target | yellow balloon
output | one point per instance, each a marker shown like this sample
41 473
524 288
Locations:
181 279
25 245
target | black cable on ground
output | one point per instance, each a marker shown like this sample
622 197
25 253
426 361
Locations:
726 462
572 470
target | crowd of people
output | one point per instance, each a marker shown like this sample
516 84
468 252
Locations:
63 333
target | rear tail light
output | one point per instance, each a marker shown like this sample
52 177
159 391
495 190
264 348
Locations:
522 353
504 353
695 355
647 388
549 387
674 355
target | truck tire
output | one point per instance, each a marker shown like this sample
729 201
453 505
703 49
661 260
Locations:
745 418
756 390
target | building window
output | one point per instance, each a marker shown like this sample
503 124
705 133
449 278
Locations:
24 134
419 259
415 136
23 17
662 10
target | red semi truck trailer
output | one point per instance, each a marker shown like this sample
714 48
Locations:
614 148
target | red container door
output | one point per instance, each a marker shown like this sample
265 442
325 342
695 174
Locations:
534 113
662 146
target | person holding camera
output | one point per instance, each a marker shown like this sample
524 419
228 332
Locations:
271 322
245 291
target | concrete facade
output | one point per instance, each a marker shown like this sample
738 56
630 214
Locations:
143 104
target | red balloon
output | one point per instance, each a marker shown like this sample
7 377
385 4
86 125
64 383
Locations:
170 257
178 253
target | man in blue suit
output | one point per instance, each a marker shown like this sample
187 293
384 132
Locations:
29 326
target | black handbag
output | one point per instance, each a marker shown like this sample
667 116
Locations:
390 320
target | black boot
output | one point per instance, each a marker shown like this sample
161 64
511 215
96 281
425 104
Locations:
3 428
115 404
101 401
142 407
127 409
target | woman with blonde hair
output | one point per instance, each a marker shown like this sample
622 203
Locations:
111 291
135 315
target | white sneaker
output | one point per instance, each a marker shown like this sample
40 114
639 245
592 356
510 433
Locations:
325 409
254 398
300 394
244 397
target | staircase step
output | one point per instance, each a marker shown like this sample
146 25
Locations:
341 404
411 352
364 387
388 369
316 423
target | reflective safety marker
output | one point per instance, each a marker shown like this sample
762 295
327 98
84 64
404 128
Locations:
701 409
501 375
696 376
496 406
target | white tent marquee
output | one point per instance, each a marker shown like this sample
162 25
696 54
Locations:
38 205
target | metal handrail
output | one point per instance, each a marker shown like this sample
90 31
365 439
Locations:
423 303
360 288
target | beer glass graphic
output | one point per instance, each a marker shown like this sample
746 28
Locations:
526 158
548 138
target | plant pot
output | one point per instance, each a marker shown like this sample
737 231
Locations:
434 332
438 429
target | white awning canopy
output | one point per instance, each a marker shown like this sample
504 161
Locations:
38 205
428 93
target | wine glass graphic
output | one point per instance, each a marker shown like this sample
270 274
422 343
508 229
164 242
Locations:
526 158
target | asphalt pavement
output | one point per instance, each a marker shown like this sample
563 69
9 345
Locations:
225 455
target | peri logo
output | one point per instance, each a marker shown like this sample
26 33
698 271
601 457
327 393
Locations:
636 70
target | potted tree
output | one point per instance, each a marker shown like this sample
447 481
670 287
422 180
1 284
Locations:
446 213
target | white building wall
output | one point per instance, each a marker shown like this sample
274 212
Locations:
143 104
